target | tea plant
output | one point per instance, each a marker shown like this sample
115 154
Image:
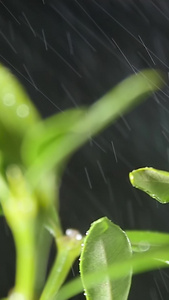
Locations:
33 156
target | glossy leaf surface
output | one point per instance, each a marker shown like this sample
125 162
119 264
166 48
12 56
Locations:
153 182
105 245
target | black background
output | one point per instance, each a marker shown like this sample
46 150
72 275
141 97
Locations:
67 54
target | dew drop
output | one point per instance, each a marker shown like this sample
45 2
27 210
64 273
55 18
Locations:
144 246
73 233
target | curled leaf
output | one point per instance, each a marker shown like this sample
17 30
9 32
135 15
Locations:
153 182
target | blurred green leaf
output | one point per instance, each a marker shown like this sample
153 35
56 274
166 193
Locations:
105 245
48 134
4 192
17 114
53 146
153 182
142 241
46 143
1 211
122 98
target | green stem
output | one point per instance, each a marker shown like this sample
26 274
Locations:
25 261
20 209
43 245
57 276
68 250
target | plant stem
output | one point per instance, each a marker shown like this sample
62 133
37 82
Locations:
57 276
68 250
20 209
43 245
25 261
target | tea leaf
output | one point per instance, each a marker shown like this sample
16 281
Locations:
105 245
153 182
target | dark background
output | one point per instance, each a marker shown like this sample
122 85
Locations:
67 54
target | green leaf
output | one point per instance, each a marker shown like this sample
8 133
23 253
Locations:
105 245
142 241
47 146
17 114
64 135
119 100
153 182
140 262
4 193
4 189
47 135
1 211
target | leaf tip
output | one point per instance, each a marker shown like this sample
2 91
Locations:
131 178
